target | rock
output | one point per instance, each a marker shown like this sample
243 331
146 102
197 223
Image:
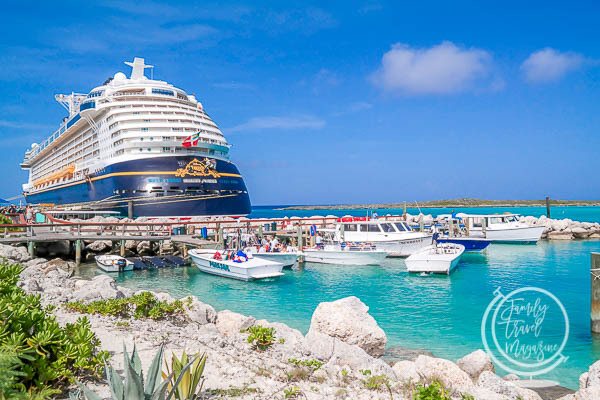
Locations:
231 323
101 287
99 246
560 235
511 377
57 263
14 253
475 363
131 245
338 353
448 373
290 342
406 372
590 393
59 248
580 233
198 312
489 380
144 248
348 320
583 380
593 378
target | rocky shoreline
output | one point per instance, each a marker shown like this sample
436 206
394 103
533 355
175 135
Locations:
343 340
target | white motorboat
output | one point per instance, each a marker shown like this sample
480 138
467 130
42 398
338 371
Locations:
214 262
288 258
439 258
345 254
395 237
112 263
501 228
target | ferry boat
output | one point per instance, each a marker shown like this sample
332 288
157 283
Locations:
394 237
501 228
139 146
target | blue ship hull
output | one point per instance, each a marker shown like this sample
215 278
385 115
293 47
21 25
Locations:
161 186
469 243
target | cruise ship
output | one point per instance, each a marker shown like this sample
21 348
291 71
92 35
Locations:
139 146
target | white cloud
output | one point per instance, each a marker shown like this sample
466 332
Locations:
441 69
548 65
280 123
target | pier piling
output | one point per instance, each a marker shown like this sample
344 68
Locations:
122 250
31 248
595 293
548 206
78 252
130 209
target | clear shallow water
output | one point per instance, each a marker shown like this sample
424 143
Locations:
576 213
438 313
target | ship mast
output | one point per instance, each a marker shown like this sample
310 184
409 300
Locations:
70 102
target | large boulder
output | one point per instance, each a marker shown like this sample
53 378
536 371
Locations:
489 380
58 263
406 372
341 354
593 375
99 246
101 287
349 321
580 232
590 393
560 235
197 311
230 323
475 363
448 373
18 253
144 248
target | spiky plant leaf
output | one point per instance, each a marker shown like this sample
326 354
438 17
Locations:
115 383
134 388
89 395
154 372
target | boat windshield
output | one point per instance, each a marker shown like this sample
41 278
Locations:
401 227
495 220
387 227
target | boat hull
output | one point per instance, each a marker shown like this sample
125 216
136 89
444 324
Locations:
424 261
344 257
106 265
471 244
287 259
522 235
252 269
403 248
161 186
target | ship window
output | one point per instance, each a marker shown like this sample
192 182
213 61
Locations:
166 149
350 227
144 129
372 228
163 92
400 227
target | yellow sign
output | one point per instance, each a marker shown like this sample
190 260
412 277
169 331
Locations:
206 167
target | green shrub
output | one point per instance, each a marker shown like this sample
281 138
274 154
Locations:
434 391
261 337
292 392
312 364
37 355
138 306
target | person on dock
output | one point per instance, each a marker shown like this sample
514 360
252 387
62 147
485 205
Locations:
28 215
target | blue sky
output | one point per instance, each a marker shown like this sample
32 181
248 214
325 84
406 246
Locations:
338 102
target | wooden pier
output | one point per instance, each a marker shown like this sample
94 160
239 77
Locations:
205 233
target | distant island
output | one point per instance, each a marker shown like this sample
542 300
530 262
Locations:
452 203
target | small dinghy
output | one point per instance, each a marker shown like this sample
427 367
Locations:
112 263
345 253
236 265
439 258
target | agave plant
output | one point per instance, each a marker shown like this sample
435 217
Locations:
134 387
190 379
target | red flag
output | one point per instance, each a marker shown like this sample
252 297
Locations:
191 140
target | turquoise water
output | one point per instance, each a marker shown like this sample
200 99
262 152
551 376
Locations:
438 313
576 213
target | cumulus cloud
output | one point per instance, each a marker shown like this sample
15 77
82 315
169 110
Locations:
280 123
548 65
441 69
